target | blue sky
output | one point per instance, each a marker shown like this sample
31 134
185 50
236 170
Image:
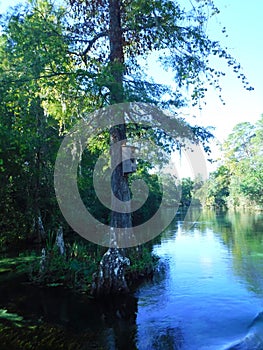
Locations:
244 23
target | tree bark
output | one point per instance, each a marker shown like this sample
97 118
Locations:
119 182
111 278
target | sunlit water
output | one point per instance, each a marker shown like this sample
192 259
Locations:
207 292
212 290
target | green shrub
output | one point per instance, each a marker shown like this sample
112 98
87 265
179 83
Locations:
74 269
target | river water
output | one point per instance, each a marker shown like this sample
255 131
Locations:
207 291
213 287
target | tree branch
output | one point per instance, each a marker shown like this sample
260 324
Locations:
92 42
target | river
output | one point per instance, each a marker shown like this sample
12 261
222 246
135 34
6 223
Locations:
206 293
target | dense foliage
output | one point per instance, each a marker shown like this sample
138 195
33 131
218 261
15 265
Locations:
238 182
60 62
55 67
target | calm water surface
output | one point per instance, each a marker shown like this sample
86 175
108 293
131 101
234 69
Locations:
208 290
213 287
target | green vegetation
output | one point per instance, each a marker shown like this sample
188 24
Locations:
16 319
74 269
18 264
143 267
56 66
52 72
238 182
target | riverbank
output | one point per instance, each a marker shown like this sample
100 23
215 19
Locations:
215 261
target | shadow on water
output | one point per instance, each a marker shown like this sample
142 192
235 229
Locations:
113 321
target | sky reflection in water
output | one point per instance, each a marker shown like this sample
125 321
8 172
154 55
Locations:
210 293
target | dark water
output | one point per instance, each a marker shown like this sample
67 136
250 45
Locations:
206 294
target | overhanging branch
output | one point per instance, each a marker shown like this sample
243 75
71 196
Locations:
92 42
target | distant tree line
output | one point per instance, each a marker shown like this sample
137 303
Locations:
238 181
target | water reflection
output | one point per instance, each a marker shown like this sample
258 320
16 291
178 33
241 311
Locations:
210 293
112 323
206 293
242 233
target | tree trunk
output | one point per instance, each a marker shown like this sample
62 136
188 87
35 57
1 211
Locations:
119 183
110 278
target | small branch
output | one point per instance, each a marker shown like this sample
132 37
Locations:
92 42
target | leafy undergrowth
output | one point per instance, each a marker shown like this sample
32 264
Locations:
142 265
10 267
73 270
